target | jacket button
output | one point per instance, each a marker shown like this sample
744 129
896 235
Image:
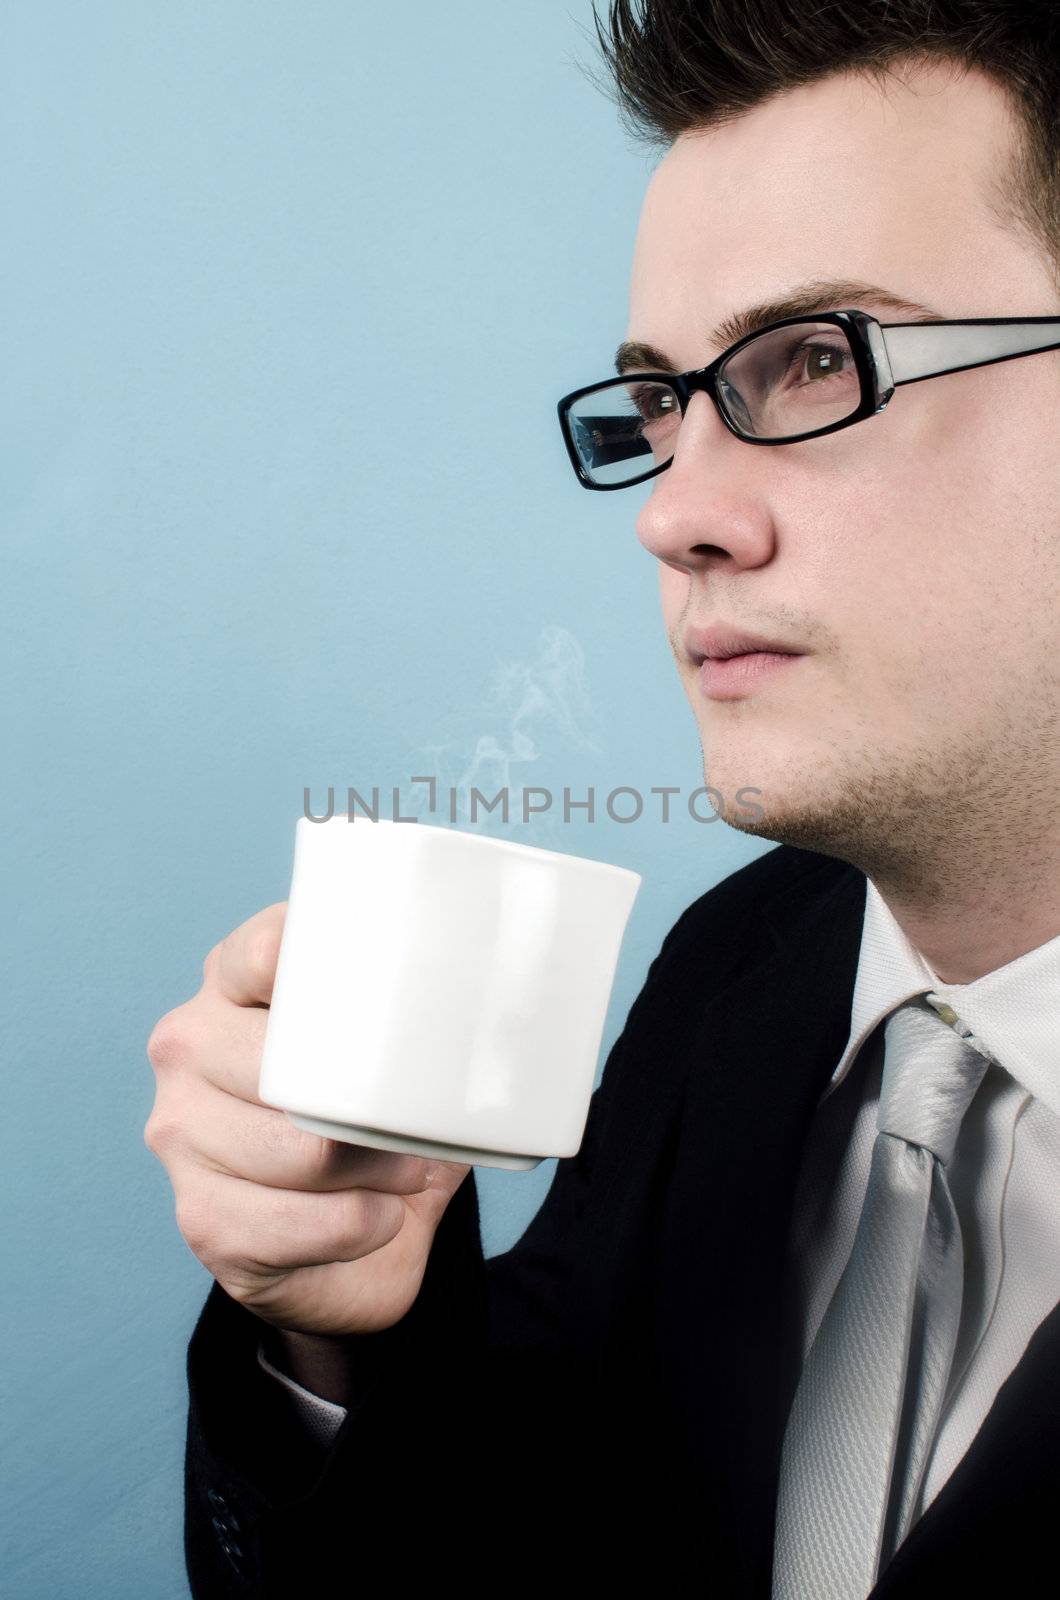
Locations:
228 1550
215 1498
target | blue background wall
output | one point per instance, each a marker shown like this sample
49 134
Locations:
289 294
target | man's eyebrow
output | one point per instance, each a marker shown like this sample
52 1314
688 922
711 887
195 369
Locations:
823 294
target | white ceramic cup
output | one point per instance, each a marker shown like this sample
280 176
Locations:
442 993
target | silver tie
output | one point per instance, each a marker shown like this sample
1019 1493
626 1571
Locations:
868 1400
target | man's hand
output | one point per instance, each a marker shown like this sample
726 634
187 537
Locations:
311 1234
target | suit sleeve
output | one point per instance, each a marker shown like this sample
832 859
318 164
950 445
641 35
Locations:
483 1396
321 1418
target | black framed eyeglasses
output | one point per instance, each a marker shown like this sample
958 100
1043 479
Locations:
797 379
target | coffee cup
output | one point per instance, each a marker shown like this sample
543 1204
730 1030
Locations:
441 992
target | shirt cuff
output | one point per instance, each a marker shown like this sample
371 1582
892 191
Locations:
323 1418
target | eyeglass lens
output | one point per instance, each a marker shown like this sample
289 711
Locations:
788 381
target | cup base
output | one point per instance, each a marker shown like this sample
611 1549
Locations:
404 1144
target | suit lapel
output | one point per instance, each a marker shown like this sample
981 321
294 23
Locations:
761 1057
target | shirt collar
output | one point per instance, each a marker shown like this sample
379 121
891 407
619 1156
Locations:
1014 1010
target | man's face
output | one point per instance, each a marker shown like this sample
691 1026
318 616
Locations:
914 557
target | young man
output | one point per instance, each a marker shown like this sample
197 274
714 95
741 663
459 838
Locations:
787 1324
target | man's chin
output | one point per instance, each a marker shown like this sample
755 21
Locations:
750 810
833 833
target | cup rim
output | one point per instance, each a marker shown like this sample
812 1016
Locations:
478 838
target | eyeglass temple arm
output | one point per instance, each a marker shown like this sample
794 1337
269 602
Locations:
924 350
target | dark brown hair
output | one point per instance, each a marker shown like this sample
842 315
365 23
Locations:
682 65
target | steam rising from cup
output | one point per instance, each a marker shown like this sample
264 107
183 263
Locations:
533 705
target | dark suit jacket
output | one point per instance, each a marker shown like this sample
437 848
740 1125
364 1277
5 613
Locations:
605 1401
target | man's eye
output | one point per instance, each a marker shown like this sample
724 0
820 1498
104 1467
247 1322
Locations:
654 403
816 361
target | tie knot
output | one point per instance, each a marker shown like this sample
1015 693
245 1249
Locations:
930 1075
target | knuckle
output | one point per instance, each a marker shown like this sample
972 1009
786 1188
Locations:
191 1222
263 952
223 950
168 1044
160 1133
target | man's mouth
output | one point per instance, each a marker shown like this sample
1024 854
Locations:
732 663
720 642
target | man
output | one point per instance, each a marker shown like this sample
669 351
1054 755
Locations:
787 1324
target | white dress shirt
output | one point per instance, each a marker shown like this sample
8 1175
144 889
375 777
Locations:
1004 1176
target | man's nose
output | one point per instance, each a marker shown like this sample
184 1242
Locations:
709 506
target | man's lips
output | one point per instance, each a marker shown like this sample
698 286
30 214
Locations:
720 642
733 677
